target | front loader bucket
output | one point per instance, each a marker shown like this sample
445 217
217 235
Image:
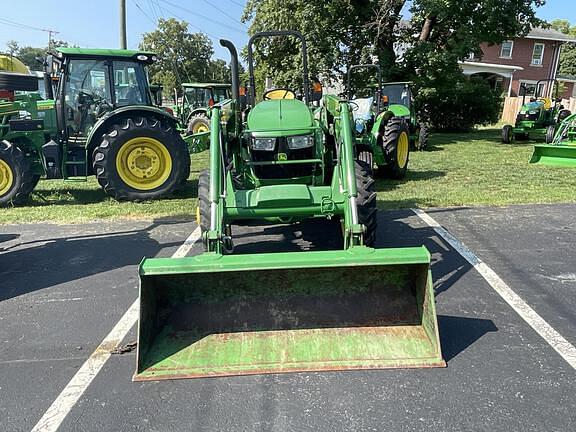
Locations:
554 155
215 315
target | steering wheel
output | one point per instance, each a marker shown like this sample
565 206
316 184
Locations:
281 93
355 106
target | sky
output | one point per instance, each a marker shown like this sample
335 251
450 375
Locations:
95 23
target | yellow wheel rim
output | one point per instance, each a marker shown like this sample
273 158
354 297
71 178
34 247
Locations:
402 150
143 163
6 178
199 128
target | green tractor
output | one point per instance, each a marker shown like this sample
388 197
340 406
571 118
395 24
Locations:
539 116
385 124
102 121
197 99
561 152
285 159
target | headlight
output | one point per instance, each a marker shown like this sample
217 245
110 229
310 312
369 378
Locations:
300 142
533 112
264 144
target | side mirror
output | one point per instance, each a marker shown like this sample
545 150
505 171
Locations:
156 90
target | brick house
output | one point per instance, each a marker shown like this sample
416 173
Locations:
524 60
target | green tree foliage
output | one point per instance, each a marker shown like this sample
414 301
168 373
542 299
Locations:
30 55
182 56
345 32
568 53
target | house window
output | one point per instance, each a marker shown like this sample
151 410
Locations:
528 88
506 49
538 54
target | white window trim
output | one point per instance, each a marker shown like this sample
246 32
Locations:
511 49
541 57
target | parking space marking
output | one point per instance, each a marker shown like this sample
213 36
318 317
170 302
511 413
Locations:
55 415
550 335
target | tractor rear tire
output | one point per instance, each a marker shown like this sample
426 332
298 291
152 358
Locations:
563 114
507 134
396 146
423 136
367 157
366 201
16 177
141 159
198 123
550 132
203 209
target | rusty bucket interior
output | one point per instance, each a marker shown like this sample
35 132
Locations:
215 315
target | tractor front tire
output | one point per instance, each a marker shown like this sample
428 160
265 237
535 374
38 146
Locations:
507 134
141 159
550 132
198 123
366 201
16 177
396 146
203 207
367 158
423 136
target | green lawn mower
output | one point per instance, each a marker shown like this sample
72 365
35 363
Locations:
561 152
102 121
539 116
285 159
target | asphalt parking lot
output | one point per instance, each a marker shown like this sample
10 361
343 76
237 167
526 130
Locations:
63 288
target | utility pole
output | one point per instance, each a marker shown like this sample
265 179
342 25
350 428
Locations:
50 33
123 24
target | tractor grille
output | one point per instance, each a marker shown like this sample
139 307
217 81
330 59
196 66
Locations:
527 116
283 171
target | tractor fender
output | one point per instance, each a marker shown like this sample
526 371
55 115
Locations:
197 111
380 122
103 124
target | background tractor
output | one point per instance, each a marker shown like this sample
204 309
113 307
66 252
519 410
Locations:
561 151
197 99
285 159
539 116
102 121
385 126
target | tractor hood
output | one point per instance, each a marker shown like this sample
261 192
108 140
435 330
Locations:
282 116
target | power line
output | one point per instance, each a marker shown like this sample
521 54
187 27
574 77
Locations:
202 16
25 26
225 13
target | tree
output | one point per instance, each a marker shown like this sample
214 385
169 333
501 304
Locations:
182 56
568 54
30 55
345 32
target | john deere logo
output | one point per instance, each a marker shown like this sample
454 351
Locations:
282 156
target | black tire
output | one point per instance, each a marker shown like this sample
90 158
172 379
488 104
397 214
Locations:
423 137
17 81
105 156
507 134
367 157
22 181
550 132
395 132
563 114
366 202
203 212
196 122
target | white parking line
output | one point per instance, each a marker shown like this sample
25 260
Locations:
550 335
55 415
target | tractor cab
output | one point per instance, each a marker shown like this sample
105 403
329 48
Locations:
97 81
397 97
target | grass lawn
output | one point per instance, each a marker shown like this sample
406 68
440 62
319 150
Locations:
460 169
